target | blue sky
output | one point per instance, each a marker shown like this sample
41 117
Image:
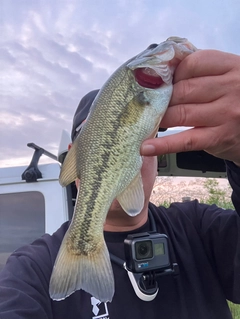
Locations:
53 52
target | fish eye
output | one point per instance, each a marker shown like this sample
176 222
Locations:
152 46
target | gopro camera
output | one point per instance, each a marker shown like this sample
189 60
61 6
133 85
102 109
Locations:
146 252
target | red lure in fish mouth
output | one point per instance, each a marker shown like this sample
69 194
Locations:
148 78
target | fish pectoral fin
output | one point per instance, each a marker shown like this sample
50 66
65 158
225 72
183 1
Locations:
68 172
92 273
132 198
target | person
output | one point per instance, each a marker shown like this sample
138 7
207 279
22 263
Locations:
203 240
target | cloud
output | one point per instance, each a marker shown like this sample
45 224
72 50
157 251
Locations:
54 52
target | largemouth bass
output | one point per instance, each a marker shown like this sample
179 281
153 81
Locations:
106 158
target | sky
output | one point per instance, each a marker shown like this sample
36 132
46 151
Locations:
53 52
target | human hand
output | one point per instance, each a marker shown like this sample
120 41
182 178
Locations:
206 96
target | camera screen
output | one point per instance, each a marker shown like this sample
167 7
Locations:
159 249
144 249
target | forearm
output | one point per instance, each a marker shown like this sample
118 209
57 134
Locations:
233 172
24 287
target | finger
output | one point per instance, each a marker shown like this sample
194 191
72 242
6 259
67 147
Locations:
188 140
206 114
204 63
198 90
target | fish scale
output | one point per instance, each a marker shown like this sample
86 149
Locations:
106 158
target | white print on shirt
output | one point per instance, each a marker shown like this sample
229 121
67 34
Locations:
99 309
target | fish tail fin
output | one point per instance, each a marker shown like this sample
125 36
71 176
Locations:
92 273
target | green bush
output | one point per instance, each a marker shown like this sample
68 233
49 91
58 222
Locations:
216 195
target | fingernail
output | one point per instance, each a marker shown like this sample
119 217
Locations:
148 149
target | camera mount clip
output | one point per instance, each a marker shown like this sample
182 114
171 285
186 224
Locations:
145 284
147 258
146 290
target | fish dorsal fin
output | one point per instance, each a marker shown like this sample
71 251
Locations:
68 172
132 198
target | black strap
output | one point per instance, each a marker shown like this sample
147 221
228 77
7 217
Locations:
116 260
152 222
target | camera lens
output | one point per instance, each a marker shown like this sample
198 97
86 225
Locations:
144 249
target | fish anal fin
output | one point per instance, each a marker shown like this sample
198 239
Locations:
132 198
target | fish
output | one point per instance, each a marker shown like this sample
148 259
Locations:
106 158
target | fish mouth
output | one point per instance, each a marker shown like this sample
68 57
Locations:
148 78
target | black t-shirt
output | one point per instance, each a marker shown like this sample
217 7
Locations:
203 240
